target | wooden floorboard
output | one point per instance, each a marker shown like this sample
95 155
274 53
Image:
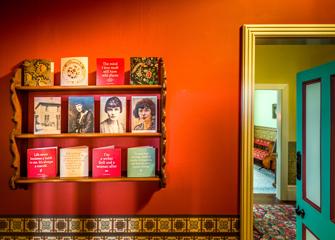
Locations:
260 198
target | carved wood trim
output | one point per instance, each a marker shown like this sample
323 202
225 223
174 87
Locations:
163 123
17 119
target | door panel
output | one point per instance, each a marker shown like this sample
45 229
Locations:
308 235
332 150
311 143
314 191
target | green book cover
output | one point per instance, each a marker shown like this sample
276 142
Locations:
141 162
144 70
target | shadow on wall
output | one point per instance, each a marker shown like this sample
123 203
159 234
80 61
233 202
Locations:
59 198
81 199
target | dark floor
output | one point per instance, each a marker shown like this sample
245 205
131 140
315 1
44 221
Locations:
260 198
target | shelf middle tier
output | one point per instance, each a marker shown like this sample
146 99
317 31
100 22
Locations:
86 135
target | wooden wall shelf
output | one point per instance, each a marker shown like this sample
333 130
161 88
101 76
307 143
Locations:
20 105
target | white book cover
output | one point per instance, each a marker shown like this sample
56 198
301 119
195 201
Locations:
47 115
144 114
74 161
74 71
113 114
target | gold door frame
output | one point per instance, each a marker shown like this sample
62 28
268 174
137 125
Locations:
250 34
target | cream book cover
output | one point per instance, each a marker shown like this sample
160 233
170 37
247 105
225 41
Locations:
74 71
47 115
74 161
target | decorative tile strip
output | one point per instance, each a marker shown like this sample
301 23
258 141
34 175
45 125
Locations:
157 227
118 238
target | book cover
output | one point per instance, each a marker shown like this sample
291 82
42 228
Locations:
141 162
110 71
74 161
47 115
81 114
144 70
42 162
38 72
74 71
106 162
113 114
144 114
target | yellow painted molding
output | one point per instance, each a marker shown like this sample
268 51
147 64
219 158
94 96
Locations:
250 34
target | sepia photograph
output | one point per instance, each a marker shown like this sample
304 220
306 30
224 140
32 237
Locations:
113 116
144 110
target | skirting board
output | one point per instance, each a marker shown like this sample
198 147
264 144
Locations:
291 192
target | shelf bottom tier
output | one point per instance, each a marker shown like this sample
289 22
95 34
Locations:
85 179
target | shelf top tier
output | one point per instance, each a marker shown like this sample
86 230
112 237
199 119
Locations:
87 135
90 88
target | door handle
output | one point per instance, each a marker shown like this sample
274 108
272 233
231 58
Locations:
298 165
300 212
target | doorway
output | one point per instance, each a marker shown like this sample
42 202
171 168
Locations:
266 141
251 33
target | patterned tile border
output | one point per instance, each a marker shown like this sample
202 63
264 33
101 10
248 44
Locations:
120 238
120 227
292 169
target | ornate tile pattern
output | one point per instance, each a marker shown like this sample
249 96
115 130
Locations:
292 169
147 227
117 238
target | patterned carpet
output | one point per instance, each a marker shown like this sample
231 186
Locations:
274 221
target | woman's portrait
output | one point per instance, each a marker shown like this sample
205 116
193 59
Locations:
144 109
81 115
113 114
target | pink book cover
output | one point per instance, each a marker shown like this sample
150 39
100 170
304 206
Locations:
42 162
106 162
110 71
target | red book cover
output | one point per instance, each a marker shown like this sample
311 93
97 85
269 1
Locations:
42 162
110 71
106 162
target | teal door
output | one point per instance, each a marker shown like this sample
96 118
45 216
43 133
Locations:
315 205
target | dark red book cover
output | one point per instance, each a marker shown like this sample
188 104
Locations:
42 162
110 71
106 162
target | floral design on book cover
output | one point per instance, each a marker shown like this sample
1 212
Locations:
38 72
144 70
74 71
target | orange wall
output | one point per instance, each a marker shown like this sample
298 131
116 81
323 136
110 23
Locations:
200 42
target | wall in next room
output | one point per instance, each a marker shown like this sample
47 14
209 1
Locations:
279 64
265 102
